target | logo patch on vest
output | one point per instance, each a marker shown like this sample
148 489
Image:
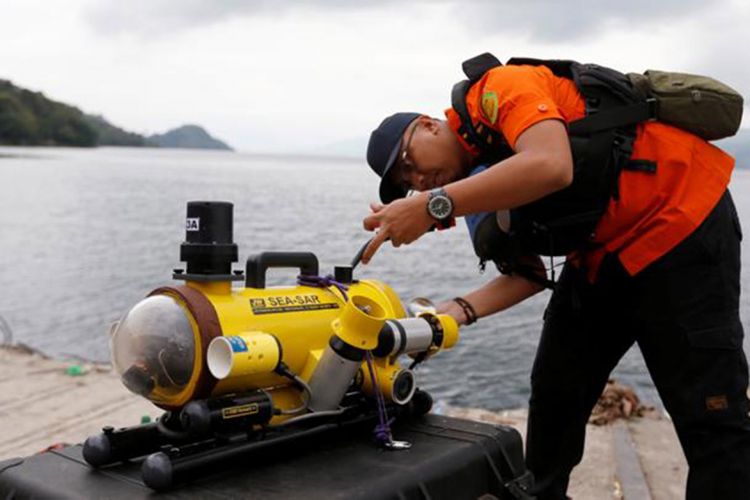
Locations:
489 106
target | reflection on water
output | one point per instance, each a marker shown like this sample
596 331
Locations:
87 233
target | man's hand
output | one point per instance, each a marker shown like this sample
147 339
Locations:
451 308
401 221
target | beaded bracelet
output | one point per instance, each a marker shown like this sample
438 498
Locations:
471 314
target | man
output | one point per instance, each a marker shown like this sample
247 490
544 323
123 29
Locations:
661 267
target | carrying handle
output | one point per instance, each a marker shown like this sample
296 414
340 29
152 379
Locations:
258 264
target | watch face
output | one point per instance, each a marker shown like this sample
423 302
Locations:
440 207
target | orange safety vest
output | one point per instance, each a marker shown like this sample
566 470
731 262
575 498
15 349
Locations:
653 210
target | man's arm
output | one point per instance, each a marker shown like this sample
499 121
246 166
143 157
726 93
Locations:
542 165
495 296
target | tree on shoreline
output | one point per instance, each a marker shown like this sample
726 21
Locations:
30 119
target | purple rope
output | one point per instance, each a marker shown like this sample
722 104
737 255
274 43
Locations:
382 431
322 282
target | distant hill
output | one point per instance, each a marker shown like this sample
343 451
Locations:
31 119
188 136
110 135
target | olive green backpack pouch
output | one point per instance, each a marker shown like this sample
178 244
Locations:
698 104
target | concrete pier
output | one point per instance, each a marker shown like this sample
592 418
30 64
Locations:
44 402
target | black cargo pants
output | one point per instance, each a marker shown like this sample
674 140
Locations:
683 311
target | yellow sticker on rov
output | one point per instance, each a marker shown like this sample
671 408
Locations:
289 303
239 411
489 106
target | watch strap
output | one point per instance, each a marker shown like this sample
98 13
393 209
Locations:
444 224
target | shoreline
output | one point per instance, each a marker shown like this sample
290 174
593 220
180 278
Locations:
45 402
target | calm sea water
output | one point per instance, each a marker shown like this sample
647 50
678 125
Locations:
86 234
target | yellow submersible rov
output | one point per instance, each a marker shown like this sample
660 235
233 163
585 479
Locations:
237 369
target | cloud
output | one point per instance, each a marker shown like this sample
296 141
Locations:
538 20
297 74
555 20
157 17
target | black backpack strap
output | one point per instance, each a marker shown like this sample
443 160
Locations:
477 66
490 143
615 118
645 166
458 102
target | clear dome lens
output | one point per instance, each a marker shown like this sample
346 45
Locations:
153 348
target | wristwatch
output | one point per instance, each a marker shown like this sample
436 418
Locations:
440 205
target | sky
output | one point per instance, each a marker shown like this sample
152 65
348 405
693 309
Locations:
316 76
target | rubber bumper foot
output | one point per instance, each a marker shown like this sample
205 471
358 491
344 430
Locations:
157 471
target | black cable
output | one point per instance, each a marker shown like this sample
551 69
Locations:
358 256
418 360
284 370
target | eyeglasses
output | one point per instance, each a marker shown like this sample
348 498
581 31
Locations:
405 166
405 160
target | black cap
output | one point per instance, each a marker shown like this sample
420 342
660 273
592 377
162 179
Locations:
385 143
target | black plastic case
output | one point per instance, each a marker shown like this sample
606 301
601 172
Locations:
449 459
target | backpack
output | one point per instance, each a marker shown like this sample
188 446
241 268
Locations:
698 104
601 144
